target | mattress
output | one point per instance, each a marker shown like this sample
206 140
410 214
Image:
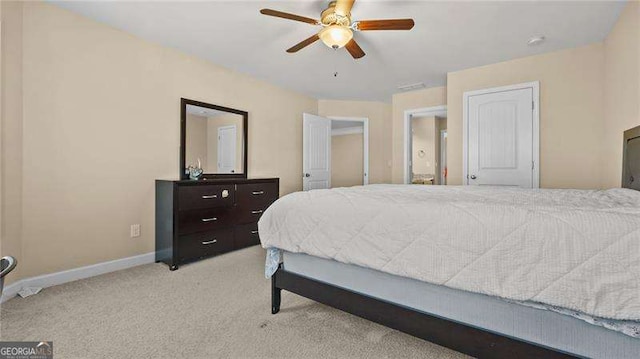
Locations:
572 249
543 327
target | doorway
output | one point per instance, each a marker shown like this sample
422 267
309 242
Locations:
425 146
335 152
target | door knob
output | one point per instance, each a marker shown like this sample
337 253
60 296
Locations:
307 174
473 177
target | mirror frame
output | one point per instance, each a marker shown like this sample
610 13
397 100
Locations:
183 137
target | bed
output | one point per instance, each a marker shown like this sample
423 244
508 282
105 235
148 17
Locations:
487 272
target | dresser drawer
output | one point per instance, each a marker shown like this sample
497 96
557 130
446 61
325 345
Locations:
205 196
246 235
257 194
204 244
249 214
198 220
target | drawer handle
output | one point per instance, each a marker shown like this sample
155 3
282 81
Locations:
210 242
211 196
257 193
254 232
256 212
209 219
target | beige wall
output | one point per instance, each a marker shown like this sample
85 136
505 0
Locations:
1 134
212 139
379 115
101 122
423 139
409 101
347 160
11 134
571 104
196 142
98 121
621 90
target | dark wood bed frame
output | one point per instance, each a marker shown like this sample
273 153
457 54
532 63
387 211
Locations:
466 339
463 338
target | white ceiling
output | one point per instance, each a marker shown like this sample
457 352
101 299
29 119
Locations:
448 36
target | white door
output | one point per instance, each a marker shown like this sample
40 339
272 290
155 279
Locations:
316 152
501 138
227 149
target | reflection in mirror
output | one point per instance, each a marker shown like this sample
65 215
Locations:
214 139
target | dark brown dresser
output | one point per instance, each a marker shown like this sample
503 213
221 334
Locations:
198 219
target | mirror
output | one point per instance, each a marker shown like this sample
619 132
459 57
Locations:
213 137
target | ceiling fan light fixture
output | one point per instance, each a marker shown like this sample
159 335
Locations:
335 36
337 27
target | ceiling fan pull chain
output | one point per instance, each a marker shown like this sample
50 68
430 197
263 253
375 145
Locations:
335 62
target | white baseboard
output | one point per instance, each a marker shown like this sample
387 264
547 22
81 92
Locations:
10 291
49 280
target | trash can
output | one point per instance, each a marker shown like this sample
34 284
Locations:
7 264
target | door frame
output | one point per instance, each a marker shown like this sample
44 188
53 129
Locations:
365 141
535 86
426 111
443 155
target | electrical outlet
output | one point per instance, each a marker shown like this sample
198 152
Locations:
135 230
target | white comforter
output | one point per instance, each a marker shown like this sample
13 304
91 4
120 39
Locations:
574 249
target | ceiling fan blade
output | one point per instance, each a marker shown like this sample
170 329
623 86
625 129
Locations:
343 7
391 24
354 49
302 44
286 15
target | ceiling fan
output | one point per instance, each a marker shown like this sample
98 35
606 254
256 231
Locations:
337 27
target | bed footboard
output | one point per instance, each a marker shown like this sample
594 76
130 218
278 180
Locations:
460 337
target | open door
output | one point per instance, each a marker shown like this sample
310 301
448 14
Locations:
316 152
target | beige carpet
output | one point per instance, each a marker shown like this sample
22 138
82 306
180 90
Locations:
216 308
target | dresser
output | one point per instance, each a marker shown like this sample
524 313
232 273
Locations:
199 219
